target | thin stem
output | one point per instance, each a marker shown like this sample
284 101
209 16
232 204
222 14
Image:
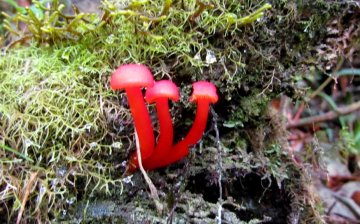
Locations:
166 134
181 149
199 124
166 126
142 121
153 191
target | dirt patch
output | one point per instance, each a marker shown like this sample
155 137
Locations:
261 197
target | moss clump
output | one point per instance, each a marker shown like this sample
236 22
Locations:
54 113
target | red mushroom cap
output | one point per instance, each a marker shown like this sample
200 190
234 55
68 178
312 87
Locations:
204 90
162 89
131 75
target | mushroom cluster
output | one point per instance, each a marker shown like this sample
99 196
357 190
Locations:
132 78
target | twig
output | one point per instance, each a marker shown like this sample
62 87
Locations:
270 83
299 112
328 80
351 205
202 8
321 87
336 73
325 117
20 40
153 191
26 196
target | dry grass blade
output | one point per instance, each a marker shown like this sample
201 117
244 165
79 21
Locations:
153 191
26 195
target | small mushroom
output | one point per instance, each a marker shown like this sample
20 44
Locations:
159 94
204 94
132 78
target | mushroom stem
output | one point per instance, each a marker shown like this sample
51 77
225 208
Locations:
199 124
176 153
166 134
142 121
166 126
181 149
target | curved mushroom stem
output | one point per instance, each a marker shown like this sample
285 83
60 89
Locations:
142 121
181 149
165 138
176 153
199 124
166 134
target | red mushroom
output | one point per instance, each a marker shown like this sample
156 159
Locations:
203 94
160 93
133 77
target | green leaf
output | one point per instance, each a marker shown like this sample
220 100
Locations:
16 6
333 106
7 148
348 71
233 124
39 13
329 100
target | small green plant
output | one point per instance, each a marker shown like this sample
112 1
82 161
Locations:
350 139
14 4
276 165
47 22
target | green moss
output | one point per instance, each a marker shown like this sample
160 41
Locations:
53 113
250 109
